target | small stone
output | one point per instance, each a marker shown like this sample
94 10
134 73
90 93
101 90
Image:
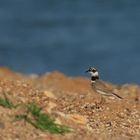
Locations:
81 96
58 121
2 125
77 118
108 124
50 106
33 76
49 94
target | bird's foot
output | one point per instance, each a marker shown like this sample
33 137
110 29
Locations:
102 101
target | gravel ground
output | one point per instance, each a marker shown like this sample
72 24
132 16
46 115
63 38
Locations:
72 102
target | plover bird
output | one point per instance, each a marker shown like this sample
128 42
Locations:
98 85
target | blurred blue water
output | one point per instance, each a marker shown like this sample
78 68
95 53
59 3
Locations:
71 35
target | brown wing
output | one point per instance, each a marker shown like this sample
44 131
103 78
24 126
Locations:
103 86
106 88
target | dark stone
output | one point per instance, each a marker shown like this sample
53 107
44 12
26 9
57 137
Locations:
2 125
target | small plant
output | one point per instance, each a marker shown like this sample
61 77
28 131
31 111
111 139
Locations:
36 117
42 121
5 102
34 109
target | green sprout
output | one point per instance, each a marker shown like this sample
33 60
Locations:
42 121
5 102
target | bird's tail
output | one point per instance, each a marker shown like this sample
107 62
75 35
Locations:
116 95
108 93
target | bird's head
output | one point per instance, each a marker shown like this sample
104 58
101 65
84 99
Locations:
93 71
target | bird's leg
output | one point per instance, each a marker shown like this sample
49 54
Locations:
102 101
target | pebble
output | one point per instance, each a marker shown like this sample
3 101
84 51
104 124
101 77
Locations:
2 125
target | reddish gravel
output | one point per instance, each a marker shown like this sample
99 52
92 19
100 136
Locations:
72 102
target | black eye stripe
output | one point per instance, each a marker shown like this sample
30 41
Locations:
92 69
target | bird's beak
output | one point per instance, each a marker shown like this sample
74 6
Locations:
86 71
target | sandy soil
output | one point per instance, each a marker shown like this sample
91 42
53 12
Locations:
72 102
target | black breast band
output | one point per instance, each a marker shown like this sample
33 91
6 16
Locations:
94 78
